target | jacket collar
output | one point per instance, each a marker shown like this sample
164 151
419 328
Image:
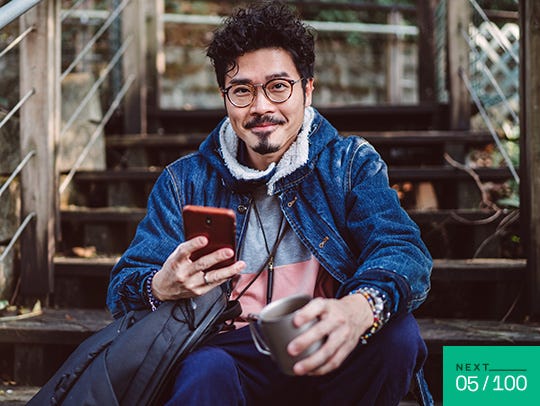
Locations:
220 149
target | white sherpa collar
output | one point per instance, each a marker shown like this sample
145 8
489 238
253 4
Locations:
296 156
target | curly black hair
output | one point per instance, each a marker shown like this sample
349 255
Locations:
262 25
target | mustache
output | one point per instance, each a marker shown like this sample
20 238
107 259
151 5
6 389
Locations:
256 121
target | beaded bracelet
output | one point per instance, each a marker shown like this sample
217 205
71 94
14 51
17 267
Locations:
376 301
152 300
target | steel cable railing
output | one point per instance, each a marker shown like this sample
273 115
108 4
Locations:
16 172
485 70
17 107
495 33
16 236
112 17
105 73
16 41
489 124
114 105
9 13
479 66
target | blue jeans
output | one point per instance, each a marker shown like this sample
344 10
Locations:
228 370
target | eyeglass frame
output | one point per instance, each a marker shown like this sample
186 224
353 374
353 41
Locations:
292 82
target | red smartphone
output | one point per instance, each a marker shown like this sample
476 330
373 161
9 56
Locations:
216 224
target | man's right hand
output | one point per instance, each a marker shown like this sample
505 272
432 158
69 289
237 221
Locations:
182 278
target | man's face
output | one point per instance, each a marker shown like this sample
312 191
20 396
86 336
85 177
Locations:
267 128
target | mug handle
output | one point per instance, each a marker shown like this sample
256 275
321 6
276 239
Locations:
261 346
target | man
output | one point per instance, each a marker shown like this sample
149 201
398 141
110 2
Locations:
323 199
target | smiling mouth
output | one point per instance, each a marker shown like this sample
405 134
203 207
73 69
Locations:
263 122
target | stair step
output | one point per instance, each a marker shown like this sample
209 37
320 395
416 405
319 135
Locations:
391 138
396 174
418 116
102 214
135 214
68 327
479 269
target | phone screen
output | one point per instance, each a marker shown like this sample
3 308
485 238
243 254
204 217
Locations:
216 224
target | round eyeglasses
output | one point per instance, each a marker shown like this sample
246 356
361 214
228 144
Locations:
275 90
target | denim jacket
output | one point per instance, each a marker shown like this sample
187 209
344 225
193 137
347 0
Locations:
339 204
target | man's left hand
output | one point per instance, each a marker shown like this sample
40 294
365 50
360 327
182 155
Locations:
341 321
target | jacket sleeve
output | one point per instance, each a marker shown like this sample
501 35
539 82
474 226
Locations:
391 255
157 235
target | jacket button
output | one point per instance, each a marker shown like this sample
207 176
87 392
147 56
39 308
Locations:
241 208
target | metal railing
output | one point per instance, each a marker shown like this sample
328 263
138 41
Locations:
8 14
14 9
39 114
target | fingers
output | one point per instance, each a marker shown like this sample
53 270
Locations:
336 324
180 277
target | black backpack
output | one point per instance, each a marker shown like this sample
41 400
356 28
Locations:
130 361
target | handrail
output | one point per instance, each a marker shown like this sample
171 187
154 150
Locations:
14 9
17 235
16 41
329 26
17 170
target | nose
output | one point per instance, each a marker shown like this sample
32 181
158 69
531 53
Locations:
261 104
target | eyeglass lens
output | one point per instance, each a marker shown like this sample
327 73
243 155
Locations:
277 90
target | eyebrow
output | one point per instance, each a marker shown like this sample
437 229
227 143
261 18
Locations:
267 78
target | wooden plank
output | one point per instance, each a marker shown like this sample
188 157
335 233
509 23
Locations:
394 56
530 142
396 174
134 63
68 326
40 122
386 117
105 214
479 269
459 17
155 59
377 138
55 326
84 267
440 332
426 50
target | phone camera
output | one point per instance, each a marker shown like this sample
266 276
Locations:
208 221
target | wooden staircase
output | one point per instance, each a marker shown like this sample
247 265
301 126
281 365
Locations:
469 298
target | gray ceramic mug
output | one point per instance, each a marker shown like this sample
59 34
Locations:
273 329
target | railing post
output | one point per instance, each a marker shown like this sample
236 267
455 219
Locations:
426 50
155 59
530 143
459 17
39 124
133 26
394 68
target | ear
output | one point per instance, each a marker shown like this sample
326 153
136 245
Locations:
309 92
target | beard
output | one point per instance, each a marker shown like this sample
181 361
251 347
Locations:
264 147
